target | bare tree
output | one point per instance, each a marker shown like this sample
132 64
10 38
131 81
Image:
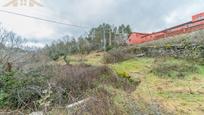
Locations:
10 44
3 36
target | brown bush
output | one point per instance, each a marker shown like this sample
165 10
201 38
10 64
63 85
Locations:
116 55
77 78
57 85
70 82
101 104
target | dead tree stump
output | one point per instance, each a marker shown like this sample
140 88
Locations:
8 67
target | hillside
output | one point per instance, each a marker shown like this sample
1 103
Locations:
163 77
96 57
168 85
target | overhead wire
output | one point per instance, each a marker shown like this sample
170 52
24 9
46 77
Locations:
43 19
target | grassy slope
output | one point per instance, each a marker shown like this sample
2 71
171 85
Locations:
175 95
178 96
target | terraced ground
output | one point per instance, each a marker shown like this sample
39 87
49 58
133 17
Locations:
177 89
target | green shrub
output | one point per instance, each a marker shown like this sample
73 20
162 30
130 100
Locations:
123 75
20 89
3 100
108 48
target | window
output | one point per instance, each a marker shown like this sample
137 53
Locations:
200 17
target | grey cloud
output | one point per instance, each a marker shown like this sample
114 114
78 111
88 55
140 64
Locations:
142 15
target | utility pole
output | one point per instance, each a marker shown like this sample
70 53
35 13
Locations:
93 34
104 39
122 35
110 37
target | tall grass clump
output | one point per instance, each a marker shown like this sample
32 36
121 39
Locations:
173 68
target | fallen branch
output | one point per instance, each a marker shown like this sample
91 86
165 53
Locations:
79 103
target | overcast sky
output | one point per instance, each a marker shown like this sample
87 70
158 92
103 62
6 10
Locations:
141 15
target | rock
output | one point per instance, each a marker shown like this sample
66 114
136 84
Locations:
37 113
